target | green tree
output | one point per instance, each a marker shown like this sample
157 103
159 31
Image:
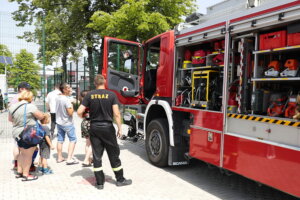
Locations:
24 69
4 51
65 24
141 19
62 36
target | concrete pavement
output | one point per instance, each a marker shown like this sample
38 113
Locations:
193 182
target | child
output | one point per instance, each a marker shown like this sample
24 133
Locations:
85 126
45 146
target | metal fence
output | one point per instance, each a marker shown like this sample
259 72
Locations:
5 128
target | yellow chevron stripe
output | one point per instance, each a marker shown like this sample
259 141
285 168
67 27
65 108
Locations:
261 119
271 121
245 116
257 118
296 124
251 118
287 123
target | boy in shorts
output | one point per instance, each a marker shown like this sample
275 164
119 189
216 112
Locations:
45 146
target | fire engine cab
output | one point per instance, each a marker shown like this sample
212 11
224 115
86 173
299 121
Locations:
223 88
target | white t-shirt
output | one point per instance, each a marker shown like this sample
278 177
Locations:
51 99
62 116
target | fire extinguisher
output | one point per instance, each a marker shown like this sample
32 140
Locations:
232 102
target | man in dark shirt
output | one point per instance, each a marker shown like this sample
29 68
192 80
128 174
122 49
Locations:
103 106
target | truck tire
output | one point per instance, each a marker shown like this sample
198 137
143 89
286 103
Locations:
157 142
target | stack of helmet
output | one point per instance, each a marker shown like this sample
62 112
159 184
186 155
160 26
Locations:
290 69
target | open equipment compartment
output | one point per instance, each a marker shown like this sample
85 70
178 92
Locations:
199 77
263 84
276 76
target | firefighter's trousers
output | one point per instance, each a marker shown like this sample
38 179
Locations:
102 135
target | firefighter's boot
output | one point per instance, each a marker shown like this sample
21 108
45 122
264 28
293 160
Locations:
100 178
121 181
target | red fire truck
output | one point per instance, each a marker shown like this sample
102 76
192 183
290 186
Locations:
222 88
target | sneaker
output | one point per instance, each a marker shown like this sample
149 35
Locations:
40 169
47 171
124 182
99 187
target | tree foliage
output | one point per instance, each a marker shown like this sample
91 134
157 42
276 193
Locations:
24 69
73 25
141 19
62 37
4 51
65 25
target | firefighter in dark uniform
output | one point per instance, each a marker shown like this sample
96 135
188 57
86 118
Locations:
103 106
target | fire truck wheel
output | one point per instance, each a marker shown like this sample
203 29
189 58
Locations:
157 142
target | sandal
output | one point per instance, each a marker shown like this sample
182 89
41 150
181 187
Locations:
29 178
86 165
72 162
19 175
59 161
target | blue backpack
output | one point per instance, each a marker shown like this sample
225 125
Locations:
32 134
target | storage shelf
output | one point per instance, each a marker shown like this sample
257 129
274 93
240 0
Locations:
203 67
277 79
215 53
277 49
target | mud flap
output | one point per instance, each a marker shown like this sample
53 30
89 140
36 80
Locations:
177 156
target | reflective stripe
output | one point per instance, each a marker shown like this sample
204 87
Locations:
117 169
97 169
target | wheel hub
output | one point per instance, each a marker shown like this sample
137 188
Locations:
155 142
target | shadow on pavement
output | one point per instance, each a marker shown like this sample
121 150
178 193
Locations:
226 186
89 178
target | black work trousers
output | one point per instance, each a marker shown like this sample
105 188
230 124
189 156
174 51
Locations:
102 138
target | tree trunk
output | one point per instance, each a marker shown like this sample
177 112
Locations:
64 66
91 67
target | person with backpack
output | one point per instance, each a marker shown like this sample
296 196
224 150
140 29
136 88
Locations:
23 86
18 112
